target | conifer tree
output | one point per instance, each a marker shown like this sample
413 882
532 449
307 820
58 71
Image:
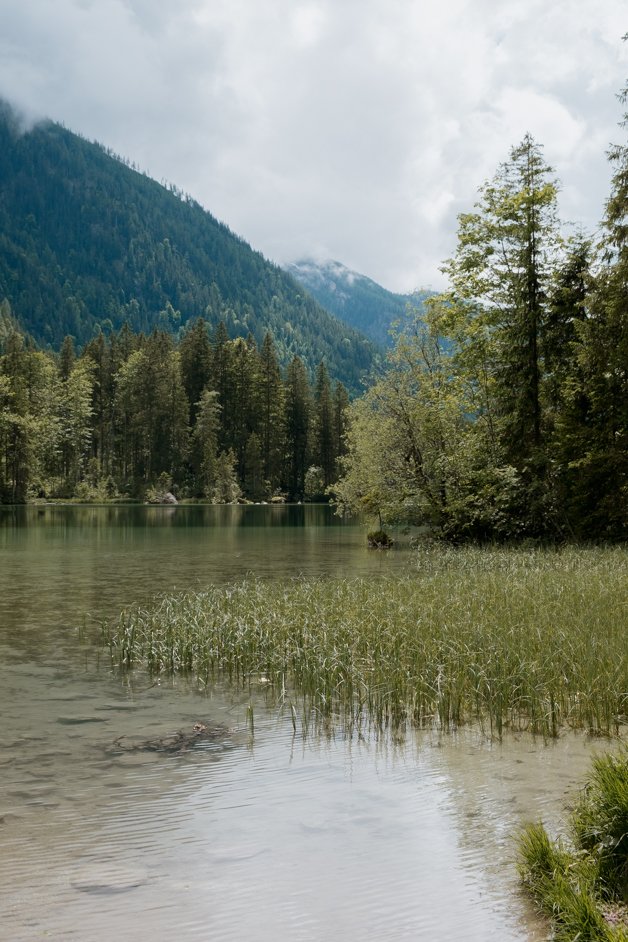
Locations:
254 484
341 422
196 363
205 442
324 437
298 409
500 277
602 465
271 412
243 417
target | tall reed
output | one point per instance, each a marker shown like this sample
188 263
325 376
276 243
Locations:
524 639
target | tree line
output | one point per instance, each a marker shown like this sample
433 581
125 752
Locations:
504 415
137 415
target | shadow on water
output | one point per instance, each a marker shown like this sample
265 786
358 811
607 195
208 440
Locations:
71 516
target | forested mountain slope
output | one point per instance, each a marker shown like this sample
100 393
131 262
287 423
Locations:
87 241
354 298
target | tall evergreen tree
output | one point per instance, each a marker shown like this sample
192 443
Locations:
205 443
603 358
500 277
67 356
341 422
243 401
222 366
271 412
99 352
196 363
324 437
298 409
75 412
254 482
497 316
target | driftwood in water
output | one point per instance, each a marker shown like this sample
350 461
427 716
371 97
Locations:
174 743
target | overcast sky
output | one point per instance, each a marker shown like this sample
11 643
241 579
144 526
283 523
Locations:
347 129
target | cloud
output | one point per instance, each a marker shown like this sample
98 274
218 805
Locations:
356 129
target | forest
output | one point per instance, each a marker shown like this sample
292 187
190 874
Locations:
136 416
500 414
504 415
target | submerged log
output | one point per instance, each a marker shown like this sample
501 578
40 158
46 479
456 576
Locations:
174 743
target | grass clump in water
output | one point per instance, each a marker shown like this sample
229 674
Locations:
523 639
584 888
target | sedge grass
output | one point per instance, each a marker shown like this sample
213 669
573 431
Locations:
583 887
512 638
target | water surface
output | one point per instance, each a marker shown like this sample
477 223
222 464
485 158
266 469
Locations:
241 837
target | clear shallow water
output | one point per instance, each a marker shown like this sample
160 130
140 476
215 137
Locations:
326 839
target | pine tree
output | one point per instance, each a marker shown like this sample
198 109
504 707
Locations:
99 352
243 418
67 357
497 317
601 496
271 412
254 483
298 409
196 363
500 277
324 438
222 365
341 423
205 441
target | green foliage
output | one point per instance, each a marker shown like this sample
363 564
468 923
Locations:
599 822
584 890
314 485
298 420
205 442
407 438
117 418
505 416
254 483
379 539
226 488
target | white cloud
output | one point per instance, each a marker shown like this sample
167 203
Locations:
350 128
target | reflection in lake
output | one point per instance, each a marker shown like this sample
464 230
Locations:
319 839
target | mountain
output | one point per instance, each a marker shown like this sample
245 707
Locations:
355 299
86 241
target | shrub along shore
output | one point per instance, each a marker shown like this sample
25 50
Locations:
510 638
582 883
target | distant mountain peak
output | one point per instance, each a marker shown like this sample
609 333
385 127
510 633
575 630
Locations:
353 297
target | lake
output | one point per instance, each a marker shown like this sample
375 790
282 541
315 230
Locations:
247 835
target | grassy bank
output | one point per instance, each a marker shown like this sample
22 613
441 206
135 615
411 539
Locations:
582 884
511 638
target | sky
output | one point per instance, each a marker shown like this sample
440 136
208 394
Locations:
354 130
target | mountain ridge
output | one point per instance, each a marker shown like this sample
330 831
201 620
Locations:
89 242
355 298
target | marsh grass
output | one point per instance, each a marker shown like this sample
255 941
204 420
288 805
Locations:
583 886
524 639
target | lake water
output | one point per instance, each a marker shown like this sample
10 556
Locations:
256 837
